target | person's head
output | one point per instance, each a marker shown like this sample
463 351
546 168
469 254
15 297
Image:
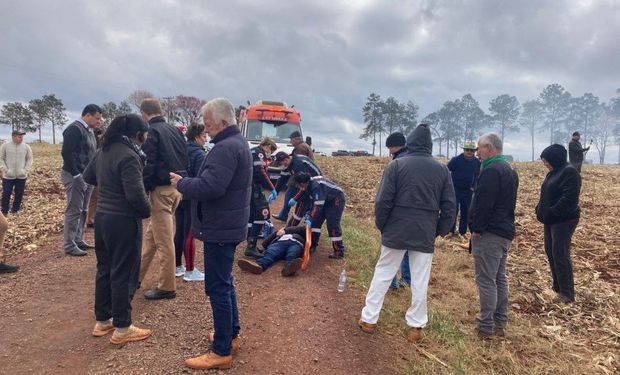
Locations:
218 114
489 145
268 146
469 150
150 107
296 138
395 141
17 136
283 159
554 157
131 126
576 136
91 115
302 180
196 133
420 140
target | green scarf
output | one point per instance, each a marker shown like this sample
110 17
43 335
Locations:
493 159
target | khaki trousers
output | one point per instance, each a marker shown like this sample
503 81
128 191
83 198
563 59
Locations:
4 226
159 236
92 207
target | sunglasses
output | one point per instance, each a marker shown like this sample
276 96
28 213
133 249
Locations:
470 149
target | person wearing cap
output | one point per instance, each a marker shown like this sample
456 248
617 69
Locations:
492 226
299 146
395 144
15 164
414 205
464 169
259 207
78 149
558 209
576 152
292 165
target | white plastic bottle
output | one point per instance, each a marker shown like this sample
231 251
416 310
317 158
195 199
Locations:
342 281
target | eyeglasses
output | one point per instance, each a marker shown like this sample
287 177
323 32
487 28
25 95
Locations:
470 149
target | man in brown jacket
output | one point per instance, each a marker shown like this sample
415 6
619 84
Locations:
299 146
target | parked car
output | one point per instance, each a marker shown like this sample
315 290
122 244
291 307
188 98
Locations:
360 153
341 153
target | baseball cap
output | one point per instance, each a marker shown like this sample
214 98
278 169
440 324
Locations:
18 132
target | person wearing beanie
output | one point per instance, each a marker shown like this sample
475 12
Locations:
492 227
415 192
395 143
558 209
576 152
464 169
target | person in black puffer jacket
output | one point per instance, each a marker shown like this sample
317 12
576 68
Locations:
558 209
122 203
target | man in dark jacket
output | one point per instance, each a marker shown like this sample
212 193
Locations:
299 146
576 152
558 209
220 198
464 169
78 149
286 244
492 226
414 204
165 153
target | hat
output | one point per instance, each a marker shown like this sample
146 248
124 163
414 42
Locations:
576 133
395 139
469 146
18 132
280 156
295 134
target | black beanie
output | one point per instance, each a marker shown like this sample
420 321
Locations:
395 140
555 155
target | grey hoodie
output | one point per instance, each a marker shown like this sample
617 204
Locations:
416 200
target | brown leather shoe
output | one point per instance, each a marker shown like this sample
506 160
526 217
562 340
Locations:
250 266
133 333
367 327
102 329
484 335
499 332
234 348
209 361
414 334
292 268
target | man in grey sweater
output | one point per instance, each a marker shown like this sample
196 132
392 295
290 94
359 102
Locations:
15 163
415 203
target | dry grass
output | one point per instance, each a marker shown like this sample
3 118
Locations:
542 338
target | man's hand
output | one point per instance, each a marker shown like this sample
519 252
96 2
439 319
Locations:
174 179
273 196
292 202
280 232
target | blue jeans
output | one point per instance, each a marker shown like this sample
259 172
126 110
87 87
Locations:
278 250
463 201
220 288
405 272
290 193
7 189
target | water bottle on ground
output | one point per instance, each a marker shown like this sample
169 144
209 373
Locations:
342 281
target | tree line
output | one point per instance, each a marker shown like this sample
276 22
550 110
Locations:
49 110
554 113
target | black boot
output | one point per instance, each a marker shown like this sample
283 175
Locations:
251 250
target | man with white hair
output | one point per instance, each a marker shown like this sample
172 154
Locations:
220 196
492 227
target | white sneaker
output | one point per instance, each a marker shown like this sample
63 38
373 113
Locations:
179 271
194 275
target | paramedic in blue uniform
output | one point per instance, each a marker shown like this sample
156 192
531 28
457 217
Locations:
327 204
259 208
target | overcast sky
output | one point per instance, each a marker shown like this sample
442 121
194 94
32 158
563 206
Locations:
325 57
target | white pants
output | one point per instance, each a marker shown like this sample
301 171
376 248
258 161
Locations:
385 270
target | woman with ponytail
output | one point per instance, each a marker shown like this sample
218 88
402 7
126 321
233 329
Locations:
122 203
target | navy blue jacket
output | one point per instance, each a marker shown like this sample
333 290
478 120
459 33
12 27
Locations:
299 164
464 172
195 156
260 179
220 194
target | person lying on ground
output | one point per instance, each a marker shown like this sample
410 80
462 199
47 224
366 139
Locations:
286 244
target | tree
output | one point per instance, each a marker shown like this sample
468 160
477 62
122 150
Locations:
433 121
504 112
449 123
602 130
136 98
555 103
472 118
19 116
110 110
373 118
57 115
188 109
392 115
531 117
168 104
582 112
40 112
409 117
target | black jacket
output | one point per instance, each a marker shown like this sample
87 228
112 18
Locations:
165 152
78 148
220 194
299 234
117 172
559 193
575 151
494 202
